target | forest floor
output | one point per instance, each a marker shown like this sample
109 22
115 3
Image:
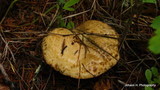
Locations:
25 24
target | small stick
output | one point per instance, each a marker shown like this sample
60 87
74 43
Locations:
6 78
39 68
11 5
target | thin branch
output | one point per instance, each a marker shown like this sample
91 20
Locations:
11 5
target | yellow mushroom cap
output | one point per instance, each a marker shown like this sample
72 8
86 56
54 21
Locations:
85 52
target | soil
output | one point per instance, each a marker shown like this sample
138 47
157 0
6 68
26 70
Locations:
27 22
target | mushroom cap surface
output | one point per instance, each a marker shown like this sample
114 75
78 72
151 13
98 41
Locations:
85 52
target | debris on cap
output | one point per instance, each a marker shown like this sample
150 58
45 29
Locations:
84 52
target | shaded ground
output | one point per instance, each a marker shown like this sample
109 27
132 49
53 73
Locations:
24 26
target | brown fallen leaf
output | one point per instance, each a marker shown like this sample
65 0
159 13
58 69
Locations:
102 85
4 87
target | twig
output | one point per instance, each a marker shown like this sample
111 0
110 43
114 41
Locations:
11 5
96 45
39 68
121 82
48 80
76 14
88 71
7 48
53 19
6 77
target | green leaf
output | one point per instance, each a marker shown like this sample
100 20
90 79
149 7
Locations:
149 1
157 32
70 3
154 71
70 25
156 80
148 75
156 24
148 88
61 1
154 44
60 21
69 9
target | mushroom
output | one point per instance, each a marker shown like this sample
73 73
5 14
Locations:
84 52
